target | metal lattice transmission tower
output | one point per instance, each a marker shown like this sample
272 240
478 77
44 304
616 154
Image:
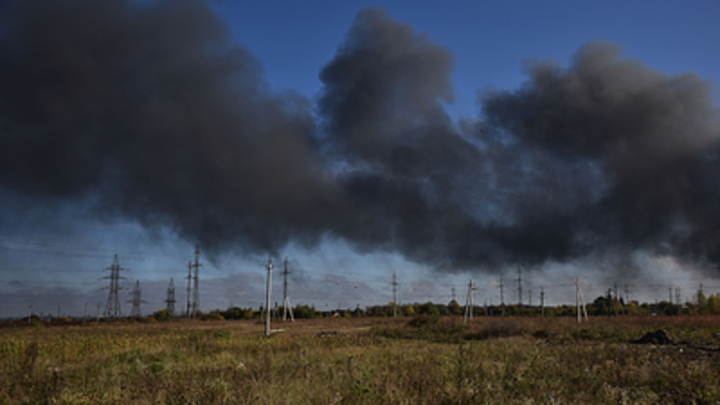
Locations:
112 307
136 301
286 298
189 291
502 295
170 300
196 283
616 302
394 285
519 281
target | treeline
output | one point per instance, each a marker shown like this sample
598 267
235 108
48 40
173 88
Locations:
602 306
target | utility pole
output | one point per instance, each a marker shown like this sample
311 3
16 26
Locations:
453 294
469 305
170 300
196 282
136 301
579 299
189 291
85 317
542 303
286 298
394 286
267 301
502 295
677 296
112 307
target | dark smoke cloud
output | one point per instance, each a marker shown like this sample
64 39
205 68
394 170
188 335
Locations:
150 110
653 136
152 107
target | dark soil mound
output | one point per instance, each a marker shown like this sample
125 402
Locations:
659 337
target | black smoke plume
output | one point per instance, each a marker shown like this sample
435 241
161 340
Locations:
153 111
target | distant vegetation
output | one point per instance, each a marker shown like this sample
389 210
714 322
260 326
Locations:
606 305
601 306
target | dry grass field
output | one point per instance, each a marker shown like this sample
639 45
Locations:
420 360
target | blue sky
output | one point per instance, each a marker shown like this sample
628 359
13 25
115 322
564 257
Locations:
489 39
60 264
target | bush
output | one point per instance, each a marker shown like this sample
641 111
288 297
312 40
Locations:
236 313
162 316
213 316
423 321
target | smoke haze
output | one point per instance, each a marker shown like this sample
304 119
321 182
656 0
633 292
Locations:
152 111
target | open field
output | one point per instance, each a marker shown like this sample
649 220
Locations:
421 360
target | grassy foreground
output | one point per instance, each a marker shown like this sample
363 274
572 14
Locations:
362 361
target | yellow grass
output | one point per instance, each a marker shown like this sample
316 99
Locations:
363 361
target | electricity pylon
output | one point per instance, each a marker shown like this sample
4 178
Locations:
502 295
394 285
170 300
196 282
112 307
286 298
189 291
136 301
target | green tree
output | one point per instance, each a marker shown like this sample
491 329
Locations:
162 315
454 308
305 312
429 308
712 305
237 313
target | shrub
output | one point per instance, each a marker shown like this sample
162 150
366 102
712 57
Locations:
213 316
162 316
